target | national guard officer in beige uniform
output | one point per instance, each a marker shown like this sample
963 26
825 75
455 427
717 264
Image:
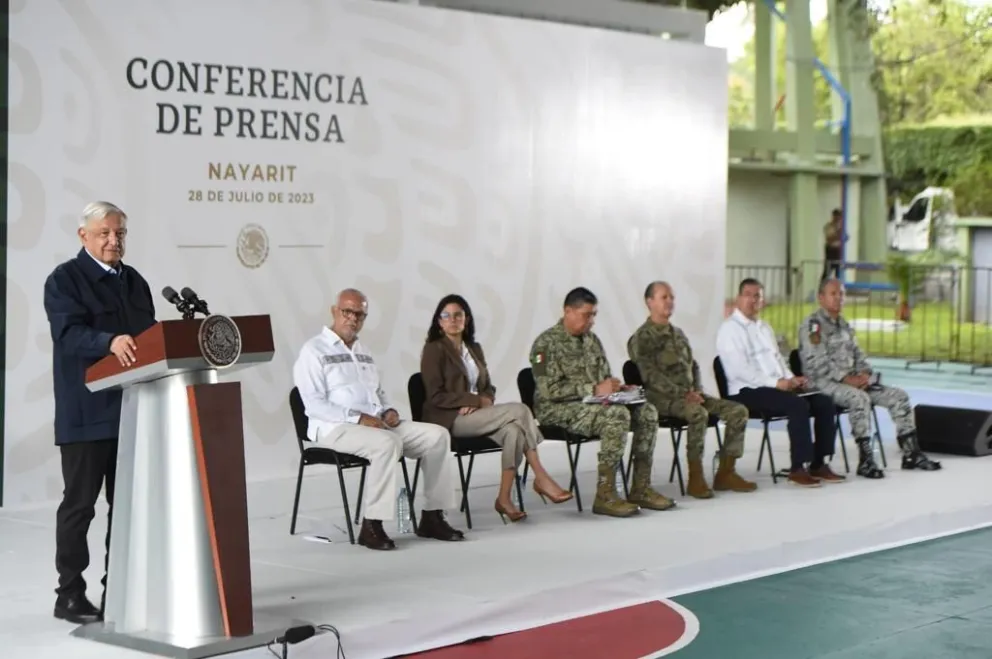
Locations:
836 366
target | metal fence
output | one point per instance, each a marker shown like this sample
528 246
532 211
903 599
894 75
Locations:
949 315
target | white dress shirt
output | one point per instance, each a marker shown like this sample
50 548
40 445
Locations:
749 353
471 369
337 383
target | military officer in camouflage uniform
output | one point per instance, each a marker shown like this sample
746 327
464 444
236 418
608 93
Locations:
672 383
836 366
569 364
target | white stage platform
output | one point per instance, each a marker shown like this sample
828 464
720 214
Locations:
556 565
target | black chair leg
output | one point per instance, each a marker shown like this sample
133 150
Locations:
361 495
344 500
520 490
468 479
573 463
624 475
416 479
409 492
296 498
719 438
766 441
463 479
843 445
877 436
526 471
676 462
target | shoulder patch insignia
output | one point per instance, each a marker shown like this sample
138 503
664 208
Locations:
539 363
814 332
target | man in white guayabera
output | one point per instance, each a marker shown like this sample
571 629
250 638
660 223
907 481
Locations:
348 412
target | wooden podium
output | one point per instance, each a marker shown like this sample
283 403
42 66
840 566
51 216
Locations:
179 578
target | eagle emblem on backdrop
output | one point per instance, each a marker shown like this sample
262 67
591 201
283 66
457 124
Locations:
220 341
253 246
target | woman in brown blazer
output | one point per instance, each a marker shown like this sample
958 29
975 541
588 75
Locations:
461 397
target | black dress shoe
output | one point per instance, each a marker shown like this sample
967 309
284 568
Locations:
77 609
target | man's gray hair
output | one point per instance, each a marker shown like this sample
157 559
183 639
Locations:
98 210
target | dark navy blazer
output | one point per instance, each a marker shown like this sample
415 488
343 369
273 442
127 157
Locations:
87 307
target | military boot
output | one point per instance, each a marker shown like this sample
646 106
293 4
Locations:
727 477
607 502
913 457
641 492
698 487
867 467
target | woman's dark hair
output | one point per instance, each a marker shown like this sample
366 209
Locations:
435 332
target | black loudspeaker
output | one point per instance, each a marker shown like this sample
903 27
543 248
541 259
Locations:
954 430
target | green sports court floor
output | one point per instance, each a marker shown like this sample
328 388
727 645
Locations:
930 600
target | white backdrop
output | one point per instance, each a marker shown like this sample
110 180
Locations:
502 159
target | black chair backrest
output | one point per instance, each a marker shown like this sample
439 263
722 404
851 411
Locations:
526 387
300 421
632 374
795 364
721 377
417 394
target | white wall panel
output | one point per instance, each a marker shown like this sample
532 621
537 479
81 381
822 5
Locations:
504 159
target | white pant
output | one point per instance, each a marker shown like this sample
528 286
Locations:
383 448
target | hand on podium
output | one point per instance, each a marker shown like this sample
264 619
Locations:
125 349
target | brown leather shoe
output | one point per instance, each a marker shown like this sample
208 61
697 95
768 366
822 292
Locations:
433 525
802 478
827 475
374 536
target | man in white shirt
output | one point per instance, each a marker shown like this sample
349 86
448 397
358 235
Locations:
348 412
758 377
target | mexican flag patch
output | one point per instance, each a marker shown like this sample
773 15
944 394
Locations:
539 364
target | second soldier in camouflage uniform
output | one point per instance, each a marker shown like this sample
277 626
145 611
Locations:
835 365
672 383
569 364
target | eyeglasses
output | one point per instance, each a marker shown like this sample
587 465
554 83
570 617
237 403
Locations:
354 314
458 315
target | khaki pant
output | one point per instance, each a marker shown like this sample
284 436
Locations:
383 448
511 425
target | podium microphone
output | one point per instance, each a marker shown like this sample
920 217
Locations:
194 302
170 294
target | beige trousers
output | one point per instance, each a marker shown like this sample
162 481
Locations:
511 425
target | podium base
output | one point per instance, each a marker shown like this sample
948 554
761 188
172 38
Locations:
164 645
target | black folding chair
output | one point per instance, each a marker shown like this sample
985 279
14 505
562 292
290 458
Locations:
527 387
675 426
760 415
319 455
460 446
796 366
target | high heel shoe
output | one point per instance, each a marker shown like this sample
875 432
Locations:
515 516
561 498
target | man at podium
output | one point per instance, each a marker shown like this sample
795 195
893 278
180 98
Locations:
95 305
348 412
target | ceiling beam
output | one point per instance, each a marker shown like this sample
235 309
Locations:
622 15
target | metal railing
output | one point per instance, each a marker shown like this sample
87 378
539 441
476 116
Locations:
948 320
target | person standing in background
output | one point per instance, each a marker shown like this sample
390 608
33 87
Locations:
833 242
95 305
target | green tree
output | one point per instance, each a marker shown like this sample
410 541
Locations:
932 60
